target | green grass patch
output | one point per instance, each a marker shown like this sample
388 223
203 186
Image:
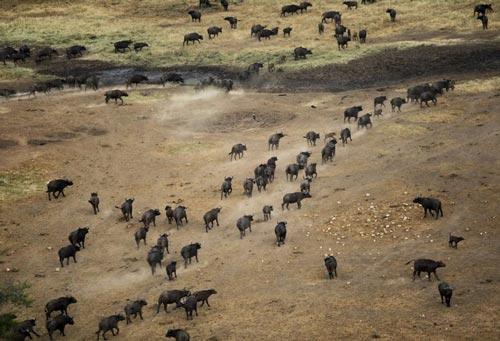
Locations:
17 184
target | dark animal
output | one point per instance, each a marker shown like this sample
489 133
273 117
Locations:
121 46
170 297
342 41
233 22
77 237
66 252
40 87
302 159
109 323
195 15
331 266
7 93
75 51
287 31
267 212
179 214
255 67
430 204
18 57
58 323
328 151
45 53
292 170
172 270
92 82
311 170
311 138
426 97
190 304
169 213
127 208
305 186
289 9
304 5
179 334
301 53
397 102
136 79
134 309
115 94
352 112
214 31
295 197
210 217
172 78
205 3
27 326
7 53
203 296
24 49
162 242
139 46
224 4
59 304
365 121
454 240
321 28
237 150
362 36
483 18
192 37
56 187
447 84
269 173
344 135
280 232
271 162
155 256
413 93
248 186
190 251
141 234
226 187
379 101
260 170
340 30
261 182
274 141
256 29
482 9
333 15
392 14
351 4
244 223
265 33
445 291
425 265
149 217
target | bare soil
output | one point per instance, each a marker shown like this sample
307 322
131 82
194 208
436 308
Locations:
170 145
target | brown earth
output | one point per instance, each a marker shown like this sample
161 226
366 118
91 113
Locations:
170 145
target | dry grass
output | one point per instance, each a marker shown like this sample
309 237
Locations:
17 184
162 23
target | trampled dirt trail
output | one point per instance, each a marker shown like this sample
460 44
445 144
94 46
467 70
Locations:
170 145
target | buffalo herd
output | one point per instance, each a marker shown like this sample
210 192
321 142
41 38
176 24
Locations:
264 173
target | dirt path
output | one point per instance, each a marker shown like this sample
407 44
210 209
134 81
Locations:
171 144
